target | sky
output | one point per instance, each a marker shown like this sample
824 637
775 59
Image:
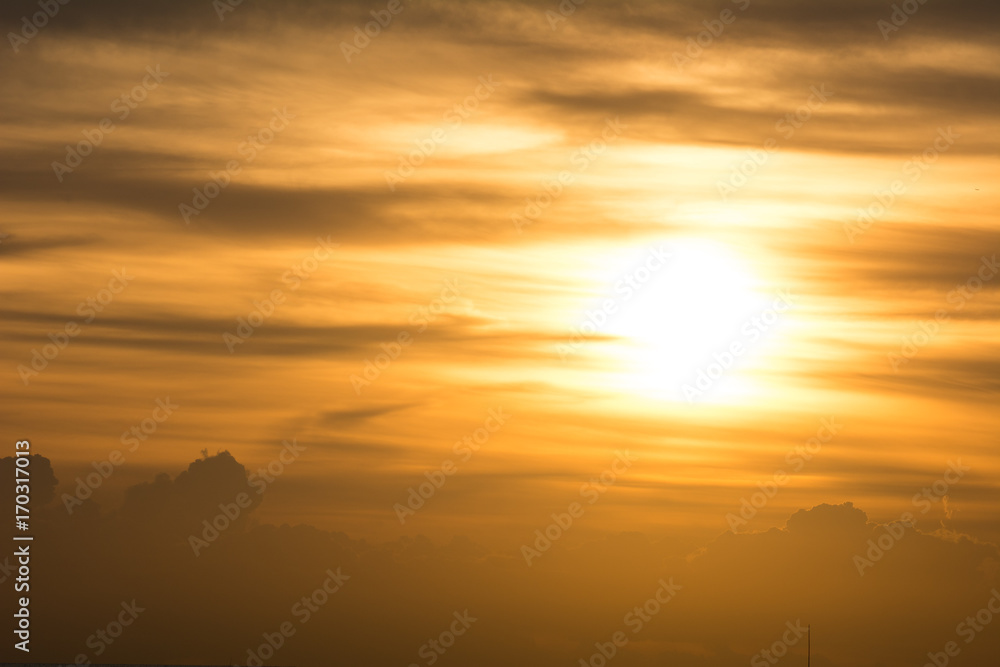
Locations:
527 312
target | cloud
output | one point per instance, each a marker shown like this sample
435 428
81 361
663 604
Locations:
41 478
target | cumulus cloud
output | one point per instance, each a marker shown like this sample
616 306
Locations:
734 595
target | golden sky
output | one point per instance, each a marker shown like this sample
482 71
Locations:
722 274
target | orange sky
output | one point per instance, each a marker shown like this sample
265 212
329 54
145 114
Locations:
760 262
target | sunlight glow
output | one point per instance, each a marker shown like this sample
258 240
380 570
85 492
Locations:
687 318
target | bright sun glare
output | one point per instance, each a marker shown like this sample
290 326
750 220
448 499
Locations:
682 316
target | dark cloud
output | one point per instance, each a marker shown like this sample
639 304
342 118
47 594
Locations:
192 335
39 475
11 246
352 417
772 21
738 592
360 214
797 24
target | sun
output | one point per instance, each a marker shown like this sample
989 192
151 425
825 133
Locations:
684 330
